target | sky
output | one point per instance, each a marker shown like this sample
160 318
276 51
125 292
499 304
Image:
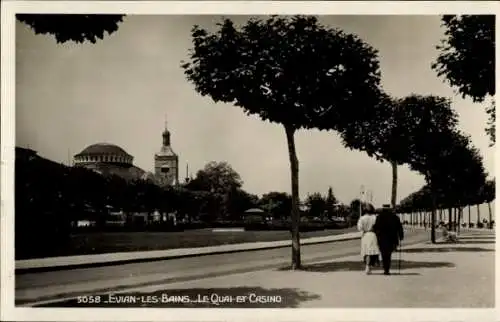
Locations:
121 89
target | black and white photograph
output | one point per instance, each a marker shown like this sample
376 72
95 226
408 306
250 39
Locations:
230 159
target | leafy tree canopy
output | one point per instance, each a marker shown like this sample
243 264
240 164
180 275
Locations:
291 71
388 134
467 58
491 128
330 201
316 204
418 200
240 200
365 206
488 191
216 177
279 204
428 117
72 27
398 124
451 165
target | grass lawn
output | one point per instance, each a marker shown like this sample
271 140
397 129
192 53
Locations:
111 242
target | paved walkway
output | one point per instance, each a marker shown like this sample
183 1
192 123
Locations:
40 287
443 275
115 258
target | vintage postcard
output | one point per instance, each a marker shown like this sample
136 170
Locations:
199 161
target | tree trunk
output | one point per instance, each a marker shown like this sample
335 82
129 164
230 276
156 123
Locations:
468 224
294 167
394 191
490 215
478 214
433 218
455 213
449 218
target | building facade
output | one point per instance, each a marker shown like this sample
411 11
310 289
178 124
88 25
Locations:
166 162
109 159
96 154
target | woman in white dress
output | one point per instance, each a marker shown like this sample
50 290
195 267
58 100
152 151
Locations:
369 246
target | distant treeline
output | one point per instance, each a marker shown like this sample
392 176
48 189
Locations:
50 198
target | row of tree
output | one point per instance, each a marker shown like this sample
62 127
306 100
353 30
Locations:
421 201
299 73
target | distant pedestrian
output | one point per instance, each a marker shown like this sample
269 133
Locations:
389 233
449 236
369 246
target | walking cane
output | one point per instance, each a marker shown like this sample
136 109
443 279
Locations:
399 260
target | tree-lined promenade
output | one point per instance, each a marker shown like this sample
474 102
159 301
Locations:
300 74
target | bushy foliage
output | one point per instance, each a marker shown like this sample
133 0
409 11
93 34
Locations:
72 27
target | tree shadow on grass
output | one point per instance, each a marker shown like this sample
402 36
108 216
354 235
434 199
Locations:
360 266
249 297
446 249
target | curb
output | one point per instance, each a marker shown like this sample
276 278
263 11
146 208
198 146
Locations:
19 271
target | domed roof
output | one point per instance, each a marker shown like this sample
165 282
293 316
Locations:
103 149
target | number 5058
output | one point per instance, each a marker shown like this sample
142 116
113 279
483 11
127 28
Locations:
88 299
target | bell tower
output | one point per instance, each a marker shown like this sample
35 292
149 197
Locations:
166 161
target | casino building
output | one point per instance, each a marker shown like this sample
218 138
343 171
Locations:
110 159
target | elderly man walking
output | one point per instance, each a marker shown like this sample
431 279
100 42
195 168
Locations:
389 231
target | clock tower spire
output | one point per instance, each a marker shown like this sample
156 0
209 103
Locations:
167 161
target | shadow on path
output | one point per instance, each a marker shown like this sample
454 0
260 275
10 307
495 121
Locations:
476 237
359 266
395 272
475 241
446 250
256 297
479 234
464 242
